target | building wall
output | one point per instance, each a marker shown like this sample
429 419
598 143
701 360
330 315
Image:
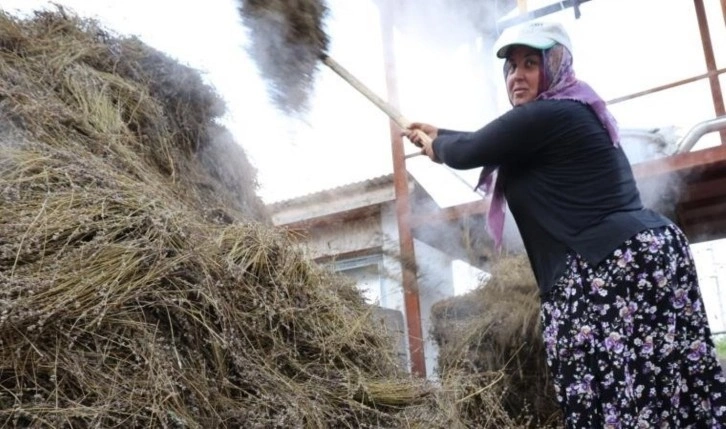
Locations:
352 236
711 266
362 246
436 282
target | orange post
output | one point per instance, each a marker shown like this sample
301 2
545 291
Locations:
716 93
522 5
403 210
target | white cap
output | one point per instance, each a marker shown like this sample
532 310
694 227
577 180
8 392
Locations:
538 35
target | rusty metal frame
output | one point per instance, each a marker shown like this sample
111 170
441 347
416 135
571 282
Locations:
681 163
527 15
716 93
712 75
667 86
403 209
712 72
406 222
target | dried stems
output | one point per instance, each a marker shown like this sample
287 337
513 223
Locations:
142 283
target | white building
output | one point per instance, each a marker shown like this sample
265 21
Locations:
711 265
355 229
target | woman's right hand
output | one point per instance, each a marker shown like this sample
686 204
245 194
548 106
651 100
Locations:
423 135
416 129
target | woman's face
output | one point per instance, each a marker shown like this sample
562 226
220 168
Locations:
523 74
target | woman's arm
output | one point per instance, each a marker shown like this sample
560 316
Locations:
516 135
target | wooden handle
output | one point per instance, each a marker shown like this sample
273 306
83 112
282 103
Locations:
386 107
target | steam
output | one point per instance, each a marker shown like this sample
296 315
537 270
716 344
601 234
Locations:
445 63
642 145
226 162
447 75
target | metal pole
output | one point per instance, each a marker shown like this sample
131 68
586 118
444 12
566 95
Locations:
716 93
538 13
522 5
699 130
403 210
667 86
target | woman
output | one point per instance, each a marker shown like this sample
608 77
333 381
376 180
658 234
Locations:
625 330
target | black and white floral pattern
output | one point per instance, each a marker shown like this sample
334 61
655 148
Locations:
628 341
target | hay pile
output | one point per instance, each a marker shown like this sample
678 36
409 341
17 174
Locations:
287 38
495 329
142 285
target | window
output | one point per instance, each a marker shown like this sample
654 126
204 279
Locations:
366 271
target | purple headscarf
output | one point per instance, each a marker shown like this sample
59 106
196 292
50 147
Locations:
557 82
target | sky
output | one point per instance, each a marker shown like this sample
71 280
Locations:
445 74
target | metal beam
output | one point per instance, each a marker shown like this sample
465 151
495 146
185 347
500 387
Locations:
705 190
699 214
716 94
699 130
667 86
543 11
675 164
522 6
703 230
682 163
403 210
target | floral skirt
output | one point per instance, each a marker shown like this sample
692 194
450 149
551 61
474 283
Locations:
628 341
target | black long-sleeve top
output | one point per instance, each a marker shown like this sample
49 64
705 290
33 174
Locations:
568 187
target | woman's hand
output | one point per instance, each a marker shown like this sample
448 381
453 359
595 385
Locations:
416 131
423 135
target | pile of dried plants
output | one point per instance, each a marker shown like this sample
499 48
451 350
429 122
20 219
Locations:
495 329
142 283
287 38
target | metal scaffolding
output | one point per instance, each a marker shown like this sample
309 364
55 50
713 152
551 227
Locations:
700 209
